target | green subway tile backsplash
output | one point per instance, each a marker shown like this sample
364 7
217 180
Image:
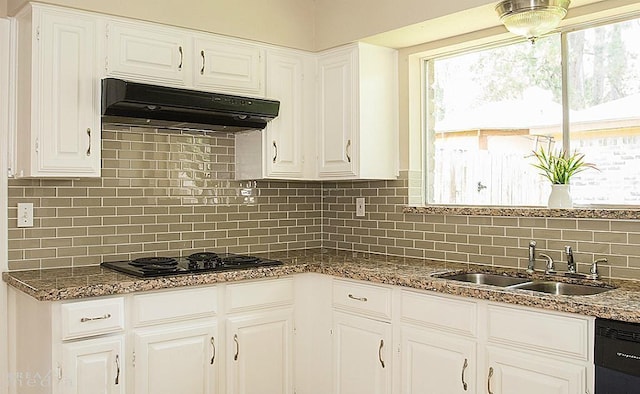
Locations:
160 192
174 192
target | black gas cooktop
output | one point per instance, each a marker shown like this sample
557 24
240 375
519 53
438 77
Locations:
192 264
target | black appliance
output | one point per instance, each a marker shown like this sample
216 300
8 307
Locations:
194 263
617 357
133 103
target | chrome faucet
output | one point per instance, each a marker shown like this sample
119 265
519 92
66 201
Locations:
549 266
532 257
571 263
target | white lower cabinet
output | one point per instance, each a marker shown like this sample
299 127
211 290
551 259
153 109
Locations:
177 358
433 362
354 336
362 338
514 371
453 344
94 366
438 343
532 351
362 355
259 356
259 337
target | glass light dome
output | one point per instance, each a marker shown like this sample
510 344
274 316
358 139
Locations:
532 18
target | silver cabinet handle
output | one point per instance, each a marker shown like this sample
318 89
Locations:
275 151
213 350
89 147
347 149
464 368
489 380
117 369
203 62
380 353
181 57
235 339
363 299
103 317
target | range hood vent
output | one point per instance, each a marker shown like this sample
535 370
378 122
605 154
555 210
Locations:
133 103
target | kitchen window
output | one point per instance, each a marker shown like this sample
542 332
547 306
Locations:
488 108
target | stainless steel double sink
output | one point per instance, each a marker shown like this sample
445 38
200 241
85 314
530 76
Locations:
542 286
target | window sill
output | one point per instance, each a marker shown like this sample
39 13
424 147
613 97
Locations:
578 213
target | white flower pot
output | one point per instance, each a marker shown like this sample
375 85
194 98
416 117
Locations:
560 197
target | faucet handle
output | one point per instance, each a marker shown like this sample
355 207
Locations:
593 271
549 267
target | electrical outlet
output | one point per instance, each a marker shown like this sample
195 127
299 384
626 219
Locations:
25 214
360 206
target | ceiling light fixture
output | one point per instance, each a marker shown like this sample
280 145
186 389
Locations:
532 18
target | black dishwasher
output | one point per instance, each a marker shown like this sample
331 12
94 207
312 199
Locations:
617 357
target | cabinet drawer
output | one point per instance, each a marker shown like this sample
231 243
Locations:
539 331
362 298
440 312
172 305
261 294
87 318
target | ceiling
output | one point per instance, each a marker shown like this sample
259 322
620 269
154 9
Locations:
485 17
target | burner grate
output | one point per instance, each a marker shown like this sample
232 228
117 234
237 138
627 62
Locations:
239 260
154 261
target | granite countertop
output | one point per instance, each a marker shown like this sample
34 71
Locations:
622 303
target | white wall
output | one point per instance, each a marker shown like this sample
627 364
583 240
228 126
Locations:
338 22
304 24
283 22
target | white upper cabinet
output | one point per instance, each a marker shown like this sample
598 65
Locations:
286 149
337 114
147 53
355 106
228 65
164 55
357 113
58 93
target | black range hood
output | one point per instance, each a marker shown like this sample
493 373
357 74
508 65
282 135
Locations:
132 103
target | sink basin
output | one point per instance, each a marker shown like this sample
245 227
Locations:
510 282
487 279
559 288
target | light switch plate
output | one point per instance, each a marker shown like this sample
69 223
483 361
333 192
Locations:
25 214
360 206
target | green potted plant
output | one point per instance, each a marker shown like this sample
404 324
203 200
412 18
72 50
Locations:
558 167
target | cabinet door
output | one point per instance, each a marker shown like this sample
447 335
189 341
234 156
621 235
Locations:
435 362
338 114
228 66
284 145
147 53
362 355
93 366
259 353
178 358
65 106
520 372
